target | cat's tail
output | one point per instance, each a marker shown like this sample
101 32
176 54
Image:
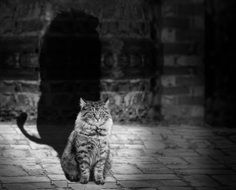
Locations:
20 121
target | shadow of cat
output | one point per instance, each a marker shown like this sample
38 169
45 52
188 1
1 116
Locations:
70 68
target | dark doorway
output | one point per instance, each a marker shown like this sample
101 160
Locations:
220 63
69 69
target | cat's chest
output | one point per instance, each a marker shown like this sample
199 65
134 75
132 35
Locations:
92 143
100 142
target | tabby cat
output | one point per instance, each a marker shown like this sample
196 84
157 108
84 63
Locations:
87 153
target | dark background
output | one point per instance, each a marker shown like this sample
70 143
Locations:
161 61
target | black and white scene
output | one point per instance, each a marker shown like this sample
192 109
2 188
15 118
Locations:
117 95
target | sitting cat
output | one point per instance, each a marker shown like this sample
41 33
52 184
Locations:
87 153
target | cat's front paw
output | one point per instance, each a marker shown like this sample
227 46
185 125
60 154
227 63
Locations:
99 180
72 178
84 180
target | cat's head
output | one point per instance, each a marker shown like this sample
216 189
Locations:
94 112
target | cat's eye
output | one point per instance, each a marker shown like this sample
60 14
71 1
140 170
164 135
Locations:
84 108
90 147
83 144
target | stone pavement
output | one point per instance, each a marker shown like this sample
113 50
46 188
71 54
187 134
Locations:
172 157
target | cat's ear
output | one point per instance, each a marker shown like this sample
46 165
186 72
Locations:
82 103
106 103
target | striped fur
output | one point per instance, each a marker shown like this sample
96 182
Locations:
87 154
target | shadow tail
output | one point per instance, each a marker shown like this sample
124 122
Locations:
20 121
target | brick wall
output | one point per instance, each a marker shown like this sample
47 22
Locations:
129 61
36 49
182 36
138 41
21 24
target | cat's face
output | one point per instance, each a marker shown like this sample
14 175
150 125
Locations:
94 112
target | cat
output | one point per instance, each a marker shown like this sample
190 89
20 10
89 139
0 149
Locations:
87 153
